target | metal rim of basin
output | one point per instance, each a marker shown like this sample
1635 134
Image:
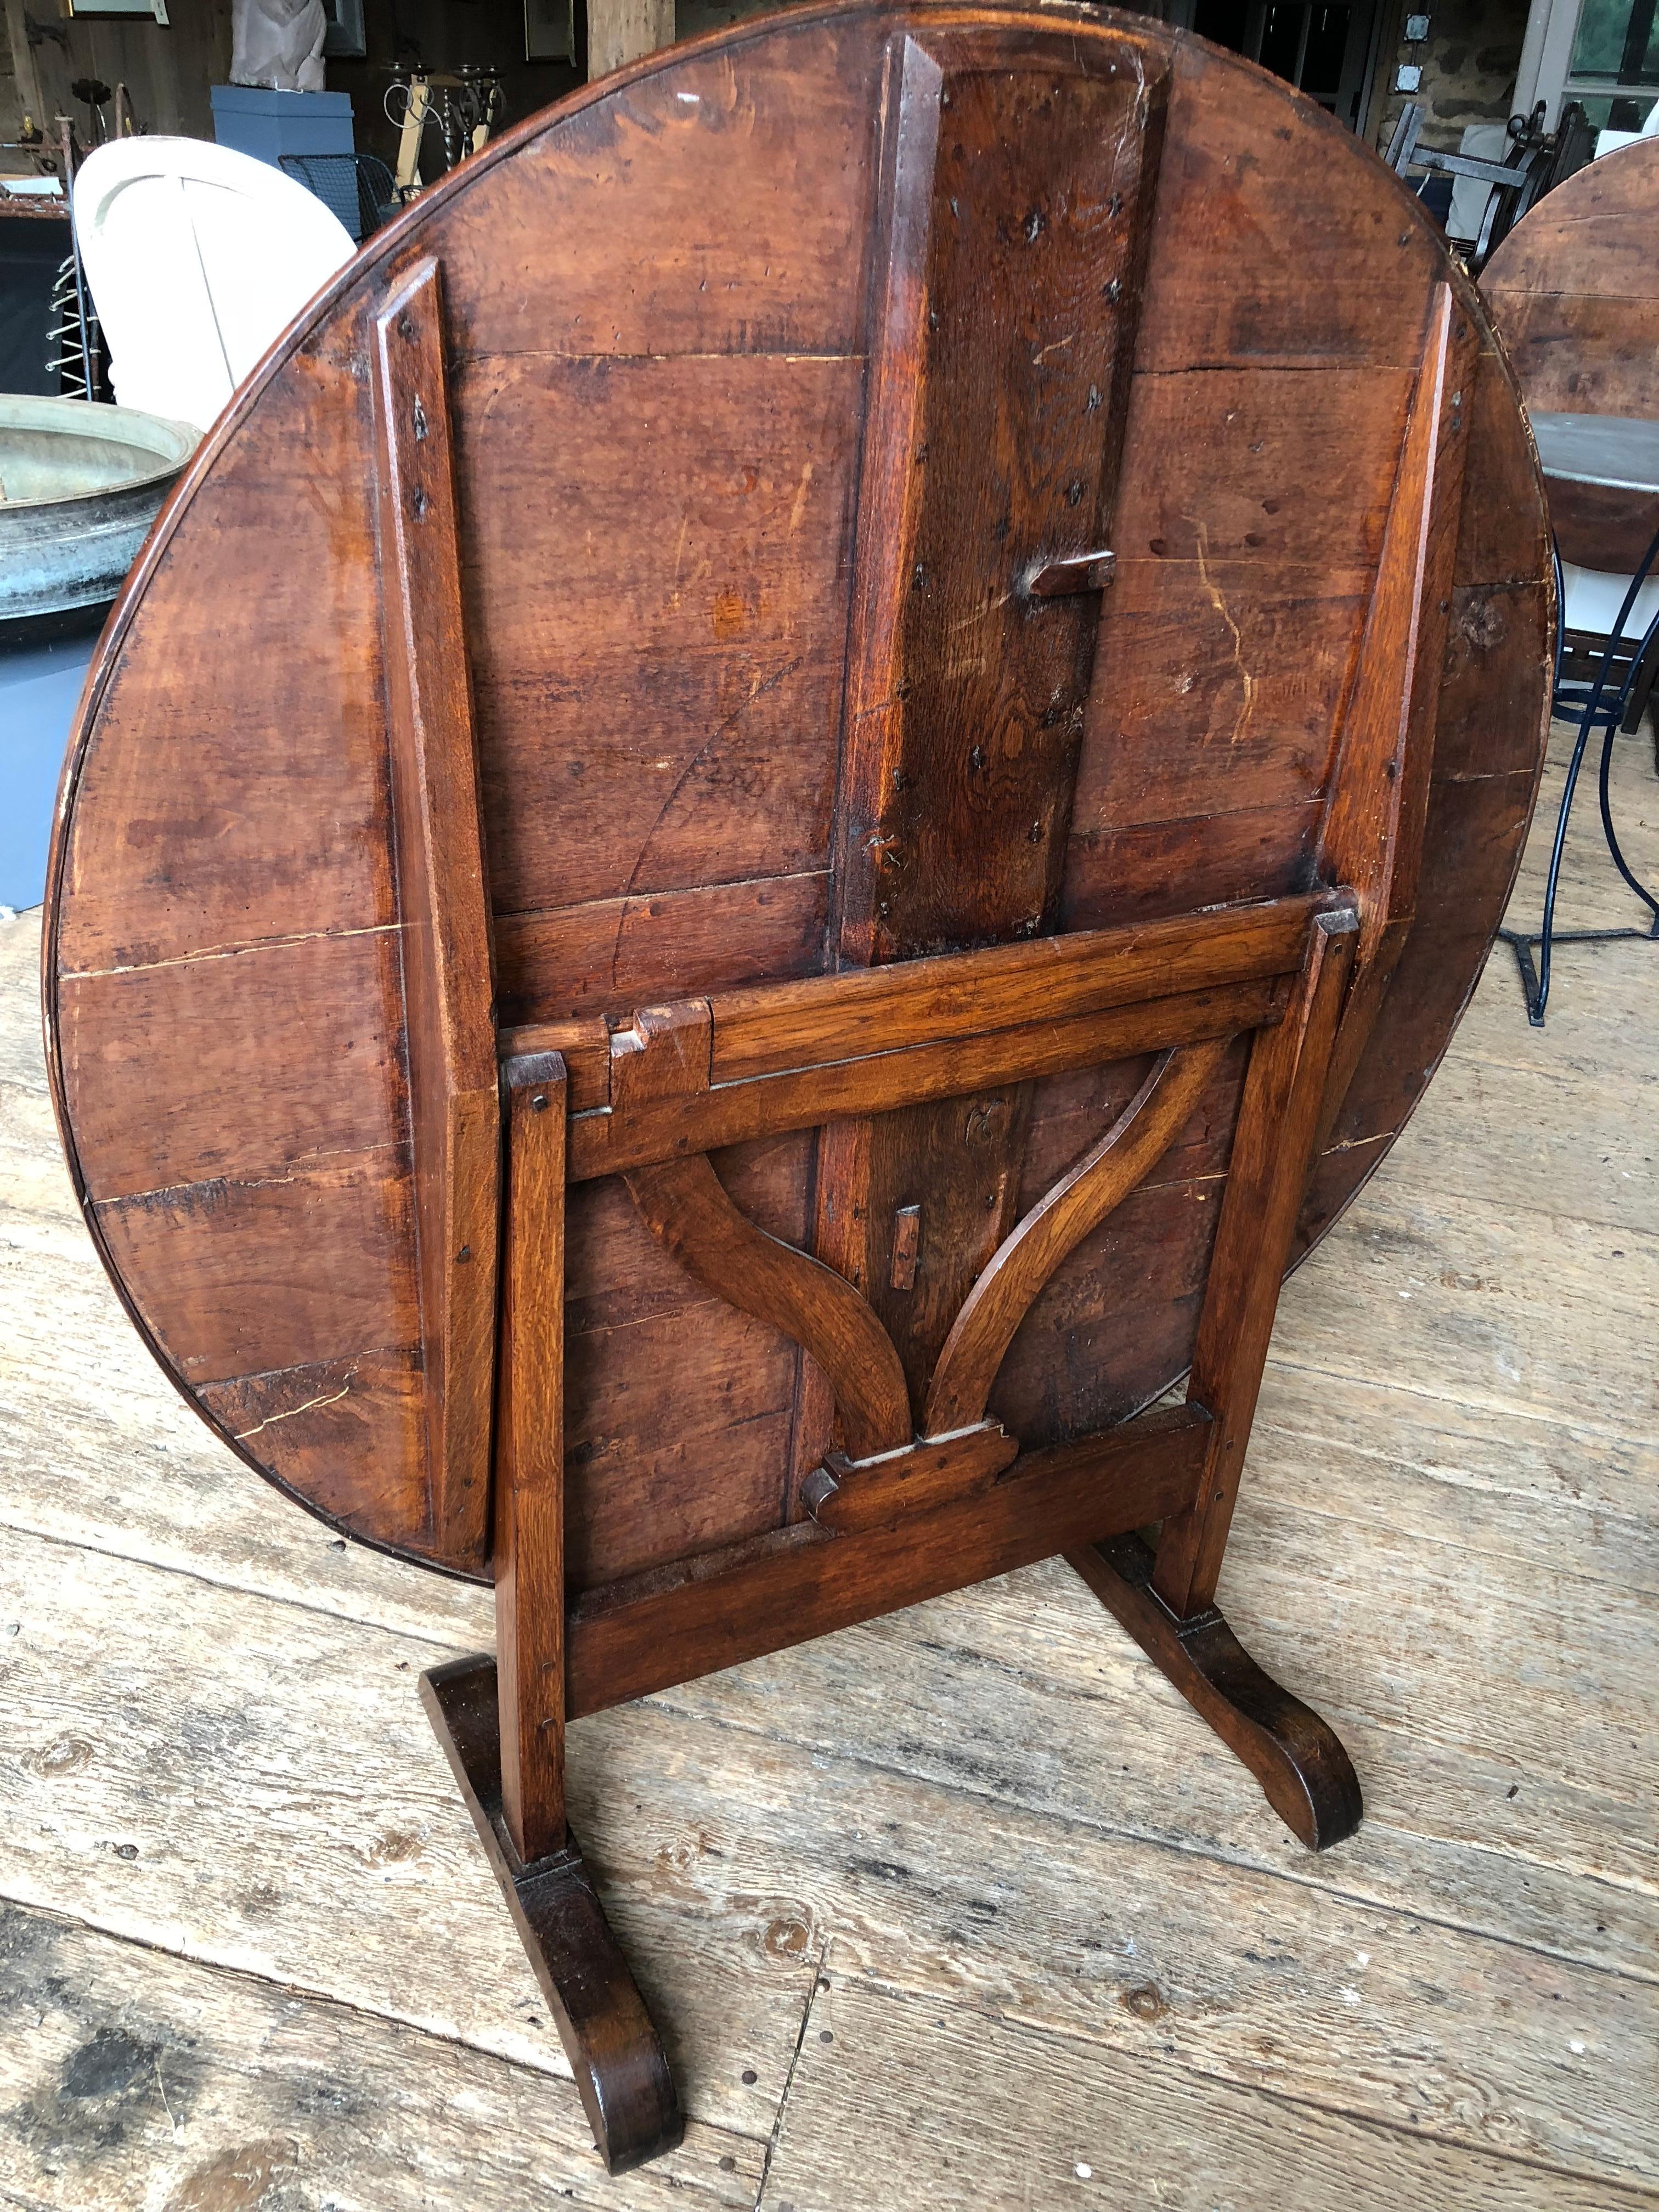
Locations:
159 446
67 553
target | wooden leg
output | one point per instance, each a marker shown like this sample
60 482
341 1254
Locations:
527 1543
1296 1757
1273 1152
609 2038
1165 1600
501 1721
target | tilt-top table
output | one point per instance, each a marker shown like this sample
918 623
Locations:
801 785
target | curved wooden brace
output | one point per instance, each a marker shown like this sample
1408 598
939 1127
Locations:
685 1208
1035 1246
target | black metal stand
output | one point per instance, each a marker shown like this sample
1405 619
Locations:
1595 708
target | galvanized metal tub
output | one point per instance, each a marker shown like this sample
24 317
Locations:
79 488
79 484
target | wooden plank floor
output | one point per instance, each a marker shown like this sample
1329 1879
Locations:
961 1909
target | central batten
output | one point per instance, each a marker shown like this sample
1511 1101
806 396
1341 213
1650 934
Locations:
1013 231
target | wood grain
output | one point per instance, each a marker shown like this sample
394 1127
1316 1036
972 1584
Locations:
856 1013
727 1114
1213 465
668 157
1374 825
1496 636
237 1298
613 955
879 2052
330 995
992 444
1120 1313
1215 673
278 2086
297 804
1149 871
1600 527
680 675
1230 282
847 1495
1438 1527
1305 1773
1278 1131
615 2055
1504 536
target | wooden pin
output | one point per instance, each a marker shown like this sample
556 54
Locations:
906 1241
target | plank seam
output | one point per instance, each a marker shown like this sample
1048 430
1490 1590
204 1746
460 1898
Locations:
1631 2185
296 1170
1502 1408
1187 1850
576 907
1631 1522
789 2077
443 1644
234 951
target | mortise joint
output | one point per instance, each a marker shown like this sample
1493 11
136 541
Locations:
1072 571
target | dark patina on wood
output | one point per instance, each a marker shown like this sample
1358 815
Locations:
891 733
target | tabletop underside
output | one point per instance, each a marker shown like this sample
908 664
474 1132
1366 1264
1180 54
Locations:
659 319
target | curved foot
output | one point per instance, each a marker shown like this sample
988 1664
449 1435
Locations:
609 2037
1296 1756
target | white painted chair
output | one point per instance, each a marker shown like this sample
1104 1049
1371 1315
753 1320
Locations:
1609 142
195 257
1483 142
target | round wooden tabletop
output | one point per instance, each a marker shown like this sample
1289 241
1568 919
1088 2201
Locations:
1575 296
658 308
1574 290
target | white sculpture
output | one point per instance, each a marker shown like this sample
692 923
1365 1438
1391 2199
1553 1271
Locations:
278 44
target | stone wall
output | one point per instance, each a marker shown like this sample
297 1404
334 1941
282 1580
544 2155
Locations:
1468 62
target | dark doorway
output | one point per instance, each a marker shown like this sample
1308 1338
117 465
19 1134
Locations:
1326 50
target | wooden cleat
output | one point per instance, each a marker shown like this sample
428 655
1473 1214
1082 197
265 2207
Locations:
1296 1756
609 2038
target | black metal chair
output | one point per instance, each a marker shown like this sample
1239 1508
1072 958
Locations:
1607 683
1518 184
359 188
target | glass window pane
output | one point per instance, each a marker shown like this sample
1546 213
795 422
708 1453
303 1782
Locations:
1601 37
1607 112
1604 45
